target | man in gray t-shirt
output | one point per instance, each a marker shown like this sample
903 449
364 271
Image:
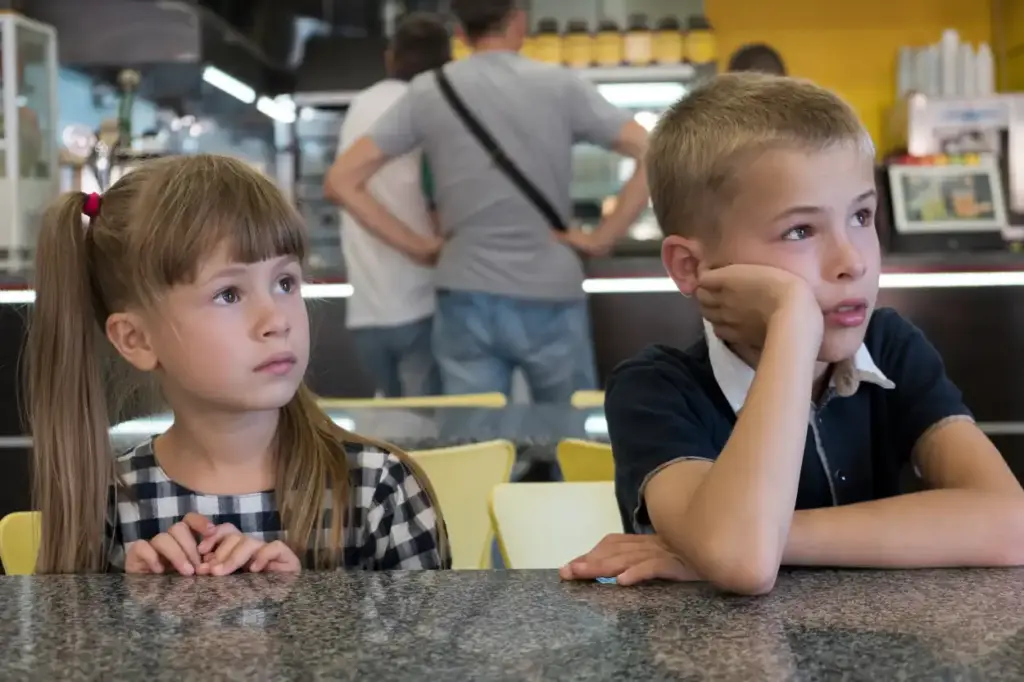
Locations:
510 287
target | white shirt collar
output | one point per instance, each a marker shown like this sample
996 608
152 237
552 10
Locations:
735 377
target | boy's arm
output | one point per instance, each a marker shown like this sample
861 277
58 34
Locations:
972 516
730 521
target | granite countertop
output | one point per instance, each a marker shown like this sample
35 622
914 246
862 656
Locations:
497 625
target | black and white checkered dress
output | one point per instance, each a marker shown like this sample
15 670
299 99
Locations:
391 522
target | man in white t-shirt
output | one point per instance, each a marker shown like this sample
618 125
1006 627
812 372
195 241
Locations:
390 313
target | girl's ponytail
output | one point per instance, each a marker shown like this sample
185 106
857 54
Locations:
67 411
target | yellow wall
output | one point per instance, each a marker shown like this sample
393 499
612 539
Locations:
1011 34
847 46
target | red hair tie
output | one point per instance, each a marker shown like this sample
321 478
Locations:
92 205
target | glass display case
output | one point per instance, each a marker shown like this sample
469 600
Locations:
598 174
317 130
29 177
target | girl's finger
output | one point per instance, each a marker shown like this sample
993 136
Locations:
171 552
240 557
144 553
186 539
214 537
226 547
199 524
276 551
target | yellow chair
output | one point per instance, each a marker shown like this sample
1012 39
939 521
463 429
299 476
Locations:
587 399
19 542
463 477
546 525
482 400
582 460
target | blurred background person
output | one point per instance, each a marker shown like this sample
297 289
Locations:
390 313
510 285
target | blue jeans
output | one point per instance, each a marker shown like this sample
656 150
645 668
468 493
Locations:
480 339
400 359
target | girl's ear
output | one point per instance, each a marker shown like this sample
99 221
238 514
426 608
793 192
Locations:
127 332
682 259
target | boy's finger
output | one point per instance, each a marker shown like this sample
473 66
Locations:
660 568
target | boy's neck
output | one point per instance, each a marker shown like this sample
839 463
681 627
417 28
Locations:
220 452
822 370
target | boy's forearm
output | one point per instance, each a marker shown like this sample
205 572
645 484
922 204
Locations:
930 529
738 518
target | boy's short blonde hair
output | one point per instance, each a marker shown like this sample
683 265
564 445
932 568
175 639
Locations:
698 147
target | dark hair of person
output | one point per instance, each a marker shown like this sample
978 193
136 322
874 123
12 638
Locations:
481 17
757 57
421 43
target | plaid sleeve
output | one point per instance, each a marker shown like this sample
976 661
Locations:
404 528
113 540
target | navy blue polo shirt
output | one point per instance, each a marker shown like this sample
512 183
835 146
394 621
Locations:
667 405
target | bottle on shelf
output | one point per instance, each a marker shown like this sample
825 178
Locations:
548 42
701 46
609 46
639 41
529 48
460 49
669 45
578 44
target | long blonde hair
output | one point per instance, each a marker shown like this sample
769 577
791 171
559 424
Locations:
154 228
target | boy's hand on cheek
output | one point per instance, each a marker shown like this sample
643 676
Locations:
741 301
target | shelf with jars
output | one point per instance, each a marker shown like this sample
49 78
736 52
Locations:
29 177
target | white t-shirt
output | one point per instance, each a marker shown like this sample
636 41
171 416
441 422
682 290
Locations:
390 289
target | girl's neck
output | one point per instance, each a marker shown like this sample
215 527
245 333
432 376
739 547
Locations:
220 453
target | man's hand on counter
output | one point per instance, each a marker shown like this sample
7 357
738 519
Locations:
596 243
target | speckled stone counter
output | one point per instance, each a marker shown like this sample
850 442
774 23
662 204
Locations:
943 625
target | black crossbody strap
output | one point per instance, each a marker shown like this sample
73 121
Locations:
498 155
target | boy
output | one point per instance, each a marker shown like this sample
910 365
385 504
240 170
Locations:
780 438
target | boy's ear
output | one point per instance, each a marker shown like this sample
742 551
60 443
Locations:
682 260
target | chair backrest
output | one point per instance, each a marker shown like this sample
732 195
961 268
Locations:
463 477
585 399
546 525
582 460
19 542
482 400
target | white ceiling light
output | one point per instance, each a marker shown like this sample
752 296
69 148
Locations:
281 109
642 95
229 84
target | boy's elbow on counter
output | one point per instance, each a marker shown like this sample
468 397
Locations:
737 568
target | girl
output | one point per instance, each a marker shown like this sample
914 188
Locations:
191 268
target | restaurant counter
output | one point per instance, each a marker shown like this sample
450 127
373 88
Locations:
511 625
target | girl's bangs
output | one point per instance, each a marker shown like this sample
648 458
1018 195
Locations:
248 213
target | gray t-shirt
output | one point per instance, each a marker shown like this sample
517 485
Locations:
496 240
